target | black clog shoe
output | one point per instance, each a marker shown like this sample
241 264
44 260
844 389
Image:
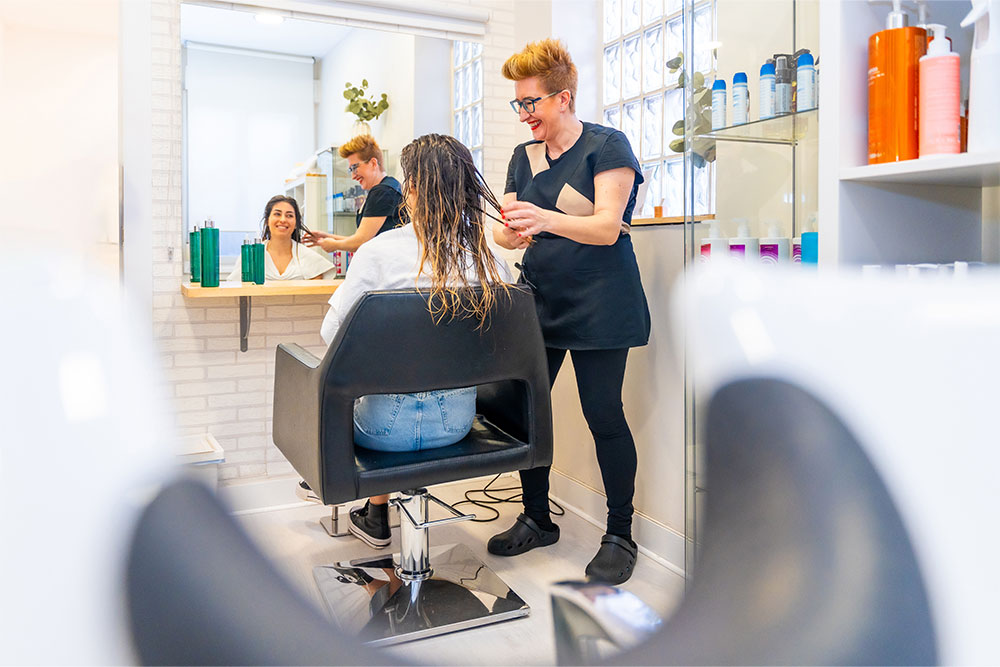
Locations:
523 536
614 561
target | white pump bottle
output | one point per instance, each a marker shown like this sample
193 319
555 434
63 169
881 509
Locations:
984 78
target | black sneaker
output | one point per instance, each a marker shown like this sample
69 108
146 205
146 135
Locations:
370 524
305 493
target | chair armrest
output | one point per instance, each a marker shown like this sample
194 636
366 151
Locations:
296 416
300 354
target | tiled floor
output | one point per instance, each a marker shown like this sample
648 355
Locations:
297 543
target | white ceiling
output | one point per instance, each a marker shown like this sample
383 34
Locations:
225 27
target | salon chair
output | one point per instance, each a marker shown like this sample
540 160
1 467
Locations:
804 557
389 343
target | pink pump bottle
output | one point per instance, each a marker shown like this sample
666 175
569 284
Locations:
940 131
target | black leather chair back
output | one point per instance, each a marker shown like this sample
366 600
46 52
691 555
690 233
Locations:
805 558
389 343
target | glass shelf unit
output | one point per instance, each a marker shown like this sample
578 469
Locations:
763 173
788 129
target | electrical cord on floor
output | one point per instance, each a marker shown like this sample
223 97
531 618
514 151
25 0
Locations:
485 503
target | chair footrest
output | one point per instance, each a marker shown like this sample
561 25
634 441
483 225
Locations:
420 525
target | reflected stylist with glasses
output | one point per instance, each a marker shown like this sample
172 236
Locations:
381 211
569 196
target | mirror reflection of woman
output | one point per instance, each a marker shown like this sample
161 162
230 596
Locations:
285 257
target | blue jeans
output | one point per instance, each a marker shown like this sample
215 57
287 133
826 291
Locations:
410 422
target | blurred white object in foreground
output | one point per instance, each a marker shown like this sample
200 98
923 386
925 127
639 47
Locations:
83 449
912 367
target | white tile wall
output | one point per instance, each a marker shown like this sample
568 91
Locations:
215 387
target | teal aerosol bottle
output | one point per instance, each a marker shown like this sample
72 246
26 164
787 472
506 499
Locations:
258 261
195 254
209 254
245 250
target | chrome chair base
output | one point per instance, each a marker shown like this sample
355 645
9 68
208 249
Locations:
366 596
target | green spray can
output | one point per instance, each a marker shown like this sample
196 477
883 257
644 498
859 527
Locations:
195 252
245 251
258 262
209 255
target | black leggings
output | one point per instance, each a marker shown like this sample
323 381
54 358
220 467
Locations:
599 378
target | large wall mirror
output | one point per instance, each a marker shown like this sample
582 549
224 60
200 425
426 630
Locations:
263 100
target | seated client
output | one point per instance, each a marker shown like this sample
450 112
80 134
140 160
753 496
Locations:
443 250
285 257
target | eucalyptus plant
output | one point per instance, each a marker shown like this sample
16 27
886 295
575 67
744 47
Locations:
697 117
365 108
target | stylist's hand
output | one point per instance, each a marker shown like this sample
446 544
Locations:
322 239
525 218
514 240
312 239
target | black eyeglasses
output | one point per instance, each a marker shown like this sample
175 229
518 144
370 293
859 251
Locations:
351 168
528 103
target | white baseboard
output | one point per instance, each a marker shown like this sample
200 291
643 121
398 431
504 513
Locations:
278 493
656 541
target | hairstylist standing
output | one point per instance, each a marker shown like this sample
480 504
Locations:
381 211
568 201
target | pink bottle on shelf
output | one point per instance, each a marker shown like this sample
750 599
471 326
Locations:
940 130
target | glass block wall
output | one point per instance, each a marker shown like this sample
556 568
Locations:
467 97
642 97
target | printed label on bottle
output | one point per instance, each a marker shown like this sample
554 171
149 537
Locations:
738 250
766 97
797 252
783 98
769 253
718 109
706 252
806 90
741 105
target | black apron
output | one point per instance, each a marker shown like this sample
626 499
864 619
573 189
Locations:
588 297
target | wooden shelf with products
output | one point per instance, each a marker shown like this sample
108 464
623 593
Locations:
244 291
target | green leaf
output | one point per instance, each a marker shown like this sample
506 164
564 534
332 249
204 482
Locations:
698 80
674 63
384 96
702 96
677 145
364 83
682 79
348 95
678 127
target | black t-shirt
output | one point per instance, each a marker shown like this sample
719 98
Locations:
384 200
588 297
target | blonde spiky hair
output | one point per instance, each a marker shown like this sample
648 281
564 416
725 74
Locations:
550 61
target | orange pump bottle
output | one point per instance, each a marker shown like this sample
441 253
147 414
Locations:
893 66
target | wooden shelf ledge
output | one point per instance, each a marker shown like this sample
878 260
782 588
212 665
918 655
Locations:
269 288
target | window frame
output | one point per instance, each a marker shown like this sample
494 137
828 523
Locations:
665 156
472 52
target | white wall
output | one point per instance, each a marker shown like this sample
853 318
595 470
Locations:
250 120
385 59
59 128
433 112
